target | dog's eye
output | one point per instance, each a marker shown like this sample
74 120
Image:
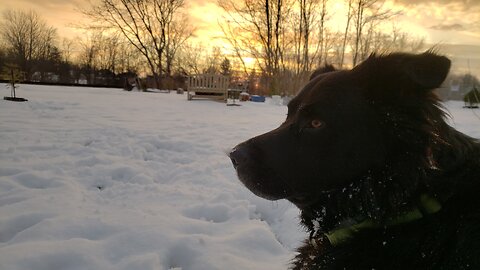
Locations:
315 123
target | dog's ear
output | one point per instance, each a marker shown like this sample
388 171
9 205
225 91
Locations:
325 69
428 70
424 71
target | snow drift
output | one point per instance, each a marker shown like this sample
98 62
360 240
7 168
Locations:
106 179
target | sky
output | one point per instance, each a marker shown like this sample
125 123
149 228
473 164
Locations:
444 22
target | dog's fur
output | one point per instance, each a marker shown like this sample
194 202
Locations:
366 145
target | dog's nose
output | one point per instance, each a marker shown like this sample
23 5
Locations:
238 155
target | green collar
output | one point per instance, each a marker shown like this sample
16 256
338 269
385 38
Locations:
427 205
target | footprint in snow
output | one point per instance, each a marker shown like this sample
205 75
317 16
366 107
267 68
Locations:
31 180
216 213
10 228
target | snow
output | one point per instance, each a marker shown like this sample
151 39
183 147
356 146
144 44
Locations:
107 179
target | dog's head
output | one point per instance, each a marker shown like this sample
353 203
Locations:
354 143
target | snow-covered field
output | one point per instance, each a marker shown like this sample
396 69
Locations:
106 179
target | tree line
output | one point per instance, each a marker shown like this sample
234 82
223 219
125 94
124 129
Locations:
286 39
35 52
290 38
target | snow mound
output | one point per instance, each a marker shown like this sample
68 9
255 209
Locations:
106 179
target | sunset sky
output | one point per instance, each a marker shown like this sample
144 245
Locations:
438 21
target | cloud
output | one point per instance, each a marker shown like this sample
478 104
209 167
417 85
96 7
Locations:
55 4
203 2
466 3
448 27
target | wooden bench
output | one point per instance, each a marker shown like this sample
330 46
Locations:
210 86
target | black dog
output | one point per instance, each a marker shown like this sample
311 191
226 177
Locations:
382 181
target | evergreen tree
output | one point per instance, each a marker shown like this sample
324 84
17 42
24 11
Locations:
225 67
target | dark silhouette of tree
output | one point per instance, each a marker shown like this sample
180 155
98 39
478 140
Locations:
257 28
147 24
28 39
225 67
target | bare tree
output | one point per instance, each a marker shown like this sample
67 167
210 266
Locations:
310 15
108 51
87 57
402 41
144 23
259 27
213 61
345 34
129 59
68 46
189 58
27 37
178 32
195 58
323 41
333 47
366 16
393 40
239 50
